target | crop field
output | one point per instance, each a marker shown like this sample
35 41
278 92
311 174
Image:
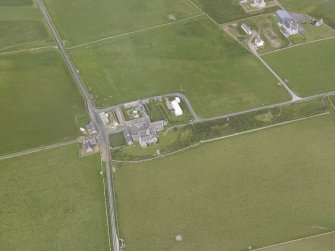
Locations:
86 20
316 8
52 200
321 243
308 69
195 57
38 101
249 191
23 27
223 11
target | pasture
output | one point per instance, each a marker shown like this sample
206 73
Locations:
52 200
195 57
86 20
247 191
38 101
308 69
319 243
224 11
23 26
316 8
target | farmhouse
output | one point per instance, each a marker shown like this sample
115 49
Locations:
259 42
288 25
246 28
258 3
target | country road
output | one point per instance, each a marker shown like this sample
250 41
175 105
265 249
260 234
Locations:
94 116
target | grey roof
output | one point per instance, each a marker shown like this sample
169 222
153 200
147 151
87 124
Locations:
283 15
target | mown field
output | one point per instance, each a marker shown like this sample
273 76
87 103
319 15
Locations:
246 191
21 27
223 11
316 8
309 69
38 101
52 200
196 57
86 20
320 243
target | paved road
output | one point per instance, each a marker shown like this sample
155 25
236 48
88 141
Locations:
94 116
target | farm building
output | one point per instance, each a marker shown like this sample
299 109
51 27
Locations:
258 3
288 25
176 107
246 28
259 42
104 118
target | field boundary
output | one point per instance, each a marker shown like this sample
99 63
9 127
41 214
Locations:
223 137
292 241
134 32
29 50
296 45
38 149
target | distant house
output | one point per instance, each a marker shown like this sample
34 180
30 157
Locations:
246 28
288 25
91 128
259 42
258 3
176 107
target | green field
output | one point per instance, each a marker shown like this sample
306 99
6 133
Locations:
223 11
52 200
196 57
254 190
309 69
23 26
317 8
38 101
87 20
319 243
15 2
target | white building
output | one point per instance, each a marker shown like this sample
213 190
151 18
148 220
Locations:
288 25
259 42
176 107
258 3
104 118
246 28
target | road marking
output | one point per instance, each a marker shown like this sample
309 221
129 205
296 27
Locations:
296 45
30 49
35 150
134 32
292 241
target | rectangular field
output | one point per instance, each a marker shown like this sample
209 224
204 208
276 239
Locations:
223 11
38 101
52 200
24 28
247 191
86 20
308 69
195 57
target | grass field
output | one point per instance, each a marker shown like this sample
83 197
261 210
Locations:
309 68
15 2
223 11
320 243
38 101
87 20
23 27
316 8
254 190
196 57
52 200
